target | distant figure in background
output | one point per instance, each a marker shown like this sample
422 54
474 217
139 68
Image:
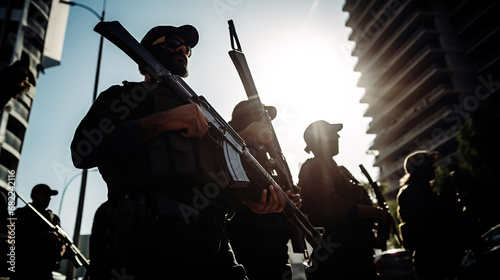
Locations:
14 79
334 200
427 226
38 248
259 241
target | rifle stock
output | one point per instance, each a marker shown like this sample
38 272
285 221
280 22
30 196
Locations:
77 256
241 162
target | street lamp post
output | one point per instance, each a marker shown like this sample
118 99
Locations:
66 185
81 200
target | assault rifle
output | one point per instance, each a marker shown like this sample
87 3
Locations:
277 161
382 203
240 165
76 256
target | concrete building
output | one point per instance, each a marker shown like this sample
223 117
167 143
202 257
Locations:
426 66
31 34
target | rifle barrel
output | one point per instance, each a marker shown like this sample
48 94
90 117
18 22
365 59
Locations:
381 201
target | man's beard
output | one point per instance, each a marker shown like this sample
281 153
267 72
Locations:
167 59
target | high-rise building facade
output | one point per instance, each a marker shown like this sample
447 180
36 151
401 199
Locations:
426 66
31 35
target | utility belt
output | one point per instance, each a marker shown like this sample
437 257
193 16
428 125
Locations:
132 219
163 206
129 211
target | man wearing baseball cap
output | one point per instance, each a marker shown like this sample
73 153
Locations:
178 41
248 231
335 200
152 150
38 248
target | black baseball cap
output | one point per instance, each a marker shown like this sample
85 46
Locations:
42 188
243 114
187 32
320 130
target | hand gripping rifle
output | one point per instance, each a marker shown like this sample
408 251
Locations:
240 164
76 256
277 161
382 203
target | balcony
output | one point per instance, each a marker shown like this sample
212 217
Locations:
11 140
431 133
383 65
42 7
34 29
397 28
359 14
401 94
20 109
407 120
16 124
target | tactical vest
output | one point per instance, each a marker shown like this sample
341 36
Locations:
173 165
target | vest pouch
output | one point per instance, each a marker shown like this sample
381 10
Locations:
194 156
173 153
159 158
184 154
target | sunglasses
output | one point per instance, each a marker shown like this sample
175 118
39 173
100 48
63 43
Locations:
172 43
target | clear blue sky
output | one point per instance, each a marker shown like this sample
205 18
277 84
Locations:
298 52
